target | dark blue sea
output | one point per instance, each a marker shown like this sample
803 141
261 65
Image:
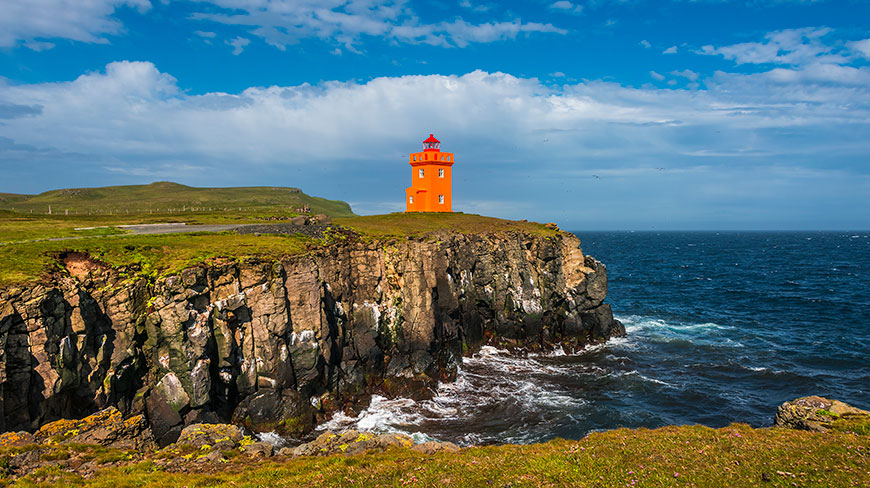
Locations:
722 327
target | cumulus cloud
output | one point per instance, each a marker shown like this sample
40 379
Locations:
284 22
645 44
670 50
33 21
657 76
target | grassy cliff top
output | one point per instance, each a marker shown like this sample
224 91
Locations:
169 198
690 456
420 224
28 253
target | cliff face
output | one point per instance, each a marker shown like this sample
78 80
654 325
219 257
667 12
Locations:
279 345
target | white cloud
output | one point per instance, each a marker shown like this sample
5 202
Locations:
306 123
862 48
476 8
792 46
670 50
34 21
687 74
645 44
284 22
657 76
206 34
566 6
238 44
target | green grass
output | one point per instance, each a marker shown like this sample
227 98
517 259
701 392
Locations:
151 255
690 456
167 197
420 224
25 227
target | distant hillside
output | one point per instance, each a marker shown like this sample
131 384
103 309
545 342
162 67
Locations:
165 196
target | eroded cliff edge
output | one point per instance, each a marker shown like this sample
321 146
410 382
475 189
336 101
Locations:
279 345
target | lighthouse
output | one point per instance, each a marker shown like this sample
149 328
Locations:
431 179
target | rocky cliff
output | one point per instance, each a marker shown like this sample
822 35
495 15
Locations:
279 345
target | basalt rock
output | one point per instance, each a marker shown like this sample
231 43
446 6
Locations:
817 414
280 345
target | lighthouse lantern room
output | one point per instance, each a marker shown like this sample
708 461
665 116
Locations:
431 179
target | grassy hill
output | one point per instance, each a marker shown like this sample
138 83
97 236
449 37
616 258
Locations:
168 197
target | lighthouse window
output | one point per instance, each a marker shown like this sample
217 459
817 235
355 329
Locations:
411 200
421 172
442 158
440 198
441 172
415 158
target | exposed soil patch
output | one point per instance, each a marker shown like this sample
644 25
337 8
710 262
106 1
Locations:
80 264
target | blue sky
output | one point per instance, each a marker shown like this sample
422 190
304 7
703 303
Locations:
601 114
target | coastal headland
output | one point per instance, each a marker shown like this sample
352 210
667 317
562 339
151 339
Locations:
151 337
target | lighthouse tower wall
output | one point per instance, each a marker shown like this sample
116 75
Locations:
431 187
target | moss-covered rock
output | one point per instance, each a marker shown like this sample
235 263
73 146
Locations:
106 428
819 414
353 442
217 436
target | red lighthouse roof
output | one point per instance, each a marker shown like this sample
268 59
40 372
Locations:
431 144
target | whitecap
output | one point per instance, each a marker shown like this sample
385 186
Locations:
271 438
383 416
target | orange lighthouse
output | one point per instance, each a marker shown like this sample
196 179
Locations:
431 183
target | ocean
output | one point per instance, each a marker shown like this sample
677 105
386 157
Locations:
722 327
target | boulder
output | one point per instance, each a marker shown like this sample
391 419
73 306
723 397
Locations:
285 413
432 447
214 456
815 413
259 449
106 428
170 387
218 436
165 421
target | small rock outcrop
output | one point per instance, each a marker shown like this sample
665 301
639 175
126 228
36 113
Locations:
816 414
105 428
280 345
218 436
349 442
